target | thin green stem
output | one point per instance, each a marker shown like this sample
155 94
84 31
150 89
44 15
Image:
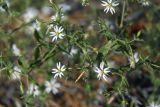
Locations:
123 11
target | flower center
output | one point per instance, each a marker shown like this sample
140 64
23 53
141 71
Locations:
57 33
110 5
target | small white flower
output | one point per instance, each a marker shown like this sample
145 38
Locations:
52 86
8 3
145 2
16 73
73 51
57 16
111 64
57 33
49 27
46 10
65 7
102 72
59 70
33 90
136 101
136 58
17 69
152 104
109 6
133 59
85 2
37 25
30 14
15 50
51 1
54 17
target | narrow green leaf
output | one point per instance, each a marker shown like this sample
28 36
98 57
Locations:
35 63
107 47
37 53
20 62
37 36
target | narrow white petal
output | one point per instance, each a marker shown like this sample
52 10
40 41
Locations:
112 10
55 76
54 39
106 70
60 36
63 68
48 90
55 72
107 10
104 2
56 28
54 69
47 83
97 70
61 29
59 65
115 4
57 85
102 65
109 1
105 77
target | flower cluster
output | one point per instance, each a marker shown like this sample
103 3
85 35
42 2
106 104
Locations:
50 86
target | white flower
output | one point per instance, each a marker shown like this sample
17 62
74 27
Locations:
33 90
111 64
136 101
73 51
144 2
51 1
15 50
136 58
8 3
133 59
46 10
49 27
152 104
58 16
54 17
16 73
52 86
57 33
109 6
102 72
37 25
85 2
17 69
65 7
59 70
30 14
